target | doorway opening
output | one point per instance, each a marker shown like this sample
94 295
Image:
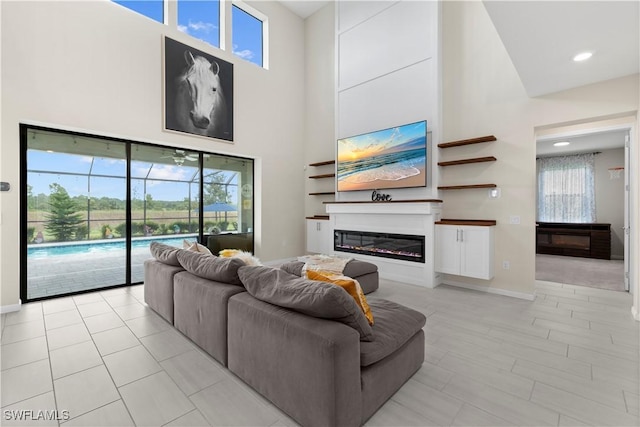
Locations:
583 199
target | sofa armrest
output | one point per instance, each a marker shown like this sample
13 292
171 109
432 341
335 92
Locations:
158 287
306 366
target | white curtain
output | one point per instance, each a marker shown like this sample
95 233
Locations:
566 189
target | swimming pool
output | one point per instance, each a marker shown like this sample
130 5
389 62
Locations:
100 246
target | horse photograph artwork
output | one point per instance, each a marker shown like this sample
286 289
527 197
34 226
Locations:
198 92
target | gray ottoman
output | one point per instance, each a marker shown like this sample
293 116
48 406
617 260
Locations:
364 272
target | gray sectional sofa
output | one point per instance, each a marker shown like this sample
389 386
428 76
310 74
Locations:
304 345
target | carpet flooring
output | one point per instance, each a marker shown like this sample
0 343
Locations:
595 273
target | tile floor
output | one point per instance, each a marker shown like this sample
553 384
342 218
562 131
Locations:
104 358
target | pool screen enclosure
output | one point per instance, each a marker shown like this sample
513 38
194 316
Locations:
91 205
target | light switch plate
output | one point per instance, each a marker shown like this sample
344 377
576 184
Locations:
514 219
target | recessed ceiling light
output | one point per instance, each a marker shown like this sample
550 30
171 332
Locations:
561 144
582 56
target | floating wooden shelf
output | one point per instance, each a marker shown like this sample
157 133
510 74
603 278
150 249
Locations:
324 175
318 186
322 217
328 162
477 222
487 138
323 193
464 187
467 161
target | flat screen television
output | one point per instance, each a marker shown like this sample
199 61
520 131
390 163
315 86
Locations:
389 158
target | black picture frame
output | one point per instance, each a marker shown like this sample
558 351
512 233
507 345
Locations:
198 89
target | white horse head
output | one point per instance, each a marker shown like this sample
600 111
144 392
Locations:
205 90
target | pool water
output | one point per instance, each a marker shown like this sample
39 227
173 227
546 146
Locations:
54 249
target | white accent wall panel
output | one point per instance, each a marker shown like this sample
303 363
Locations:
390 40
352 13
406 96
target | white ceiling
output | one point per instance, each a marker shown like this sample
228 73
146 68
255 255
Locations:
542 37
304 8
585 143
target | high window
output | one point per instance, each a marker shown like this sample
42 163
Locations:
204 19
91 206
566 189
153 9
200 19
248 33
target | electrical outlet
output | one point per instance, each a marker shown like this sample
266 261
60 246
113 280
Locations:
514 219
505 265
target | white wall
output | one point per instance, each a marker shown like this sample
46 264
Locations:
97 67
320 100
610 197
483 95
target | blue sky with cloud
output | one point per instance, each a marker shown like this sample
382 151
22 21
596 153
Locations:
201 19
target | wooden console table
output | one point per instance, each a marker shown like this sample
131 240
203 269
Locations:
589 240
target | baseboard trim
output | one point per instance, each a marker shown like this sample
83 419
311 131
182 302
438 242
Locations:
490 290
10 308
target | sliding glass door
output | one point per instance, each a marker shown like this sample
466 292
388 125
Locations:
75 195
164 195
93 205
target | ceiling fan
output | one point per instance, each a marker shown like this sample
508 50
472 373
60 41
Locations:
179 156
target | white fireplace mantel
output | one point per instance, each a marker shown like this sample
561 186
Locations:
413 217
400 207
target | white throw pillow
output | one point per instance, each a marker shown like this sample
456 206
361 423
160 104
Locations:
195 247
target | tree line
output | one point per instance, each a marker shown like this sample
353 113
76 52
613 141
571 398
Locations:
64 220
213 193
43 202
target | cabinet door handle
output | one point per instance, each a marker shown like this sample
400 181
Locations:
458 235
318 226
462 235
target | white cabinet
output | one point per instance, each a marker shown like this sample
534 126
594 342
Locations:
319 236
465 250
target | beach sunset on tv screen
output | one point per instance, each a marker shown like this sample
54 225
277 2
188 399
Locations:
389 158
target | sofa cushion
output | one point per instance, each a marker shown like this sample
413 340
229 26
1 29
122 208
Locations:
164 253
210 267
395 325
348 284
354 268
313 298
293 267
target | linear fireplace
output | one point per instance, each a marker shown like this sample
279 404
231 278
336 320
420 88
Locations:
396 246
